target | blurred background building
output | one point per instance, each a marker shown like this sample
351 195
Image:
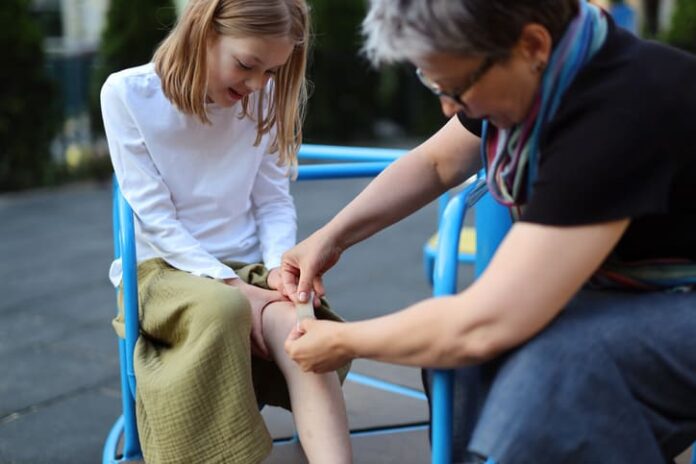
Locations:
72 32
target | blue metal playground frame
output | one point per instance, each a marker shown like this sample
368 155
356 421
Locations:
354 162
492 223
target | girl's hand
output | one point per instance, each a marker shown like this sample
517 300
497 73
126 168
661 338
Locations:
259 299
304 264
315 346
275 281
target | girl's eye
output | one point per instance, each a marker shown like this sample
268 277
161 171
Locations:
243 66
272 72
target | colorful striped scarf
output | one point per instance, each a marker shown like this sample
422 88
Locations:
511 155
674 275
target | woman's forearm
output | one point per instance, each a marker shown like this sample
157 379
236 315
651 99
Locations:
535 272
431 333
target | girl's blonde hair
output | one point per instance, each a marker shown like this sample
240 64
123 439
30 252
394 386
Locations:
181 63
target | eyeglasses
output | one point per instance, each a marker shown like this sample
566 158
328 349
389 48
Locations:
456 96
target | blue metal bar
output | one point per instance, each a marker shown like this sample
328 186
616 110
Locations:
442 204
366 432
109 452
131 441
124 248
493 222
339 153
130 285
445 283
115 219
388 430
386 386
340 170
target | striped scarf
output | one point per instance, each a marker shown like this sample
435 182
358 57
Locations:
674 275
512 154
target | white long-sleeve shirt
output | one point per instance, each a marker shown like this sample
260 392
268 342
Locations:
201 194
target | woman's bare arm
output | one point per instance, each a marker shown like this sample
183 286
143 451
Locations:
534 273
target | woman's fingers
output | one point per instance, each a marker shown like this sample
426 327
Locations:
313 349
290 274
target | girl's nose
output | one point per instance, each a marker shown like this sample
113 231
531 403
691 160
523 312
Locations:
257 82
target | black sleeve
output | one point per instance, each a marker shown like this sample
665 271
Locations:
599 164
475 126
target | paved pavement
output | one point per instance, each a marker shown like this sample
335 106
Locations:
59 389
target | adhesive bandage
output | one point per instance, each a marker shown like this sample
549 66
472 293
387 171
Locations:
305 310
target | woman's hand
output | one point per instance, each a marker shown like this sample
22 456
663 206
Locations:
259 299
315 346
303 266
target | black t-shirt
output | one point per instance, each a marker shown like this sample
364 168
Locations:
623 145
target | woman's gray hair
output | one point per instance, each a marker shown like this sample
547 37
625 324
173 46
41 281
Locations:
399 30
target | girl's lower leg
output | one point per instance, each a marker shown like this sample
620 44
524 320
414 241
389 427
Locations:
317 400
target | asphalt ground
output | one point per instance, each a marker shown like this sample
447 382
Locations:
59 388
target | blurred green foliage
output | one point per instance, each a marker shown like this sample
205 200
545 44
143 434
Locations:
132 32
350 101
28 113
682 33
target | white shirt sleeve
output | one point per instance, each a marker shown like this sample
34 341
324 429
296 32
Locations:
274 210
148 195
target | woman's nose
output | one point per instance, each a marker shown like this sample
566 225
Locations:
449 107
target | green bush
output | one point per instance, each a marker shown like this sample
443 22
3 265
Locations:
682 33
28 117
133 30
342 104
348 97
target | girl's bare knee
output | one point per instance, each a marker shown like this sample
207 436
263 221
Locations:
279 319
280 314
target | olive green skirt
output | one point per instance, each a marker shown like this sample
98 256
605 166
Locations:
199 389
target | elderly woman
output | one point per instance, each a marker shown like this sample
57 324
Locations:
578 343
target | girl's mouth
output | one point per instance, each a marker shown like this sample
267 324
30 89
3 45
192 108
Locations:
234 96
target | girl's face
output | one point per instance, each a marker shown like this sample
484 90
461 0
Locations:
239 66
501 91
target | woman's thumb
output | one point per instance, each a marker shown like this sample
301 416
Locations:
295 333
304 287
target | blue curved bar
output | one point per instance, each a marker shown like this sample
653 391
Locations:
115 218
340 170
493 222
130 285
445 283
367 162
386 386
109 452
124 248
339 153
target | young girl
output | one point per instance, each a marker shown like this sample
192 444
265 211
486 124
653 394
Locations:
198 141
